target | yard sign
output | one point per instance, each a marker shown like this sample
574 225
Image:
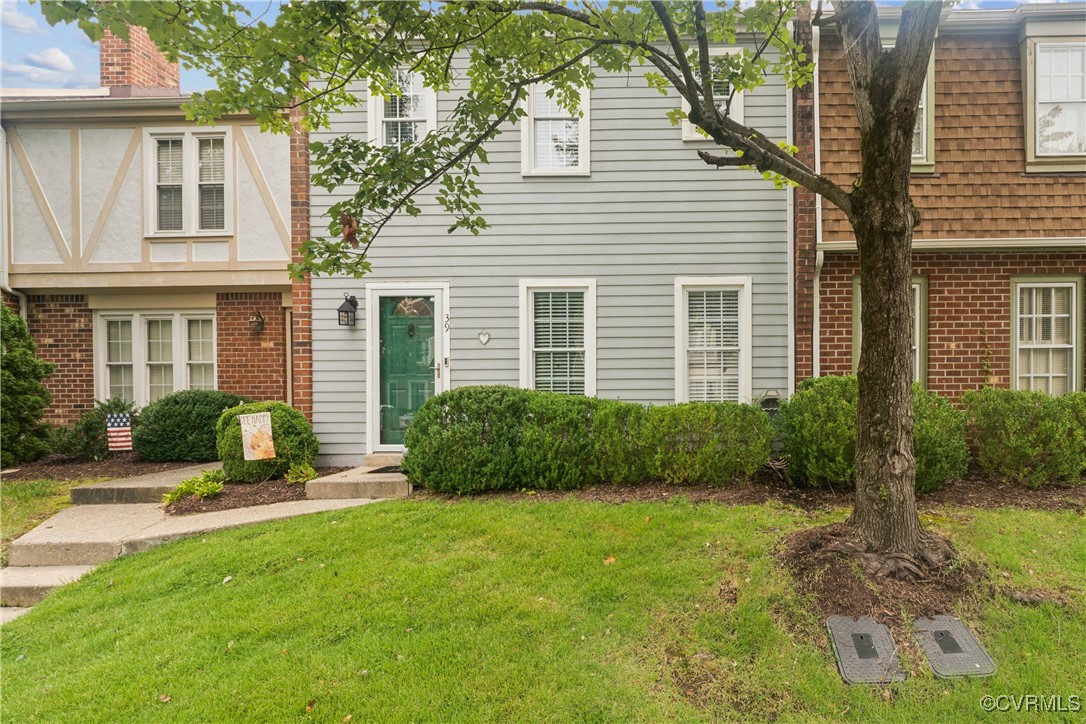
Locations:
256 436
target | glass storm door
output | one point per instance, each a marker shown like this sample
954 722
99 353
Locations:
407 362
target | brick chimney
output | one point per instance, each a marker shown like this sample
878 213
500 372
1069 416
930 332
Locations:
136 68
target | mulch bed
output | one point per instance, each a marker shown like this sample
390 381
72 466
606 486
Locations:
837 585
116 465
246 495
973 491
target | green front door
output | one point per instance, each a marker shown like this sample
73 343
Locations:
407 361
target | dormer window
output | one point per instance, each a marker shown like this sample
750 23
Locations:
1055 82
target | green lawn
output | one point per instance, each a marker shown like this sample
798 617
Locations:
25 503
512 611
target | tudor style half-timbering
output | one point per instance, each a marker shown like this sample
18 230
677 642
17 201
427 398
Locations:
148 254
617 264
999 176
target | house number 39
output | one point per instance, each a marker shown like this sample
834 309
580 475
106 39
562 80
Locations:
448 322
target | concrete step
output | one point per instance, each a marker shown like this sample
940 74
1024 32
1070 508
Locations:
139 489
358 483
9 613
382 460
27 585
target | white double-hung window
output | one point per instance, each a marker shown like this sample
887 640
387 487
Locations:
189 189
722 93
142 357
555 141
712 339
1047 343
558 335
1061 99
406 115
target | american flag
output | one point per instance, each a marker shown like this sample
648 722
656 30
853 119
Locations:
119 430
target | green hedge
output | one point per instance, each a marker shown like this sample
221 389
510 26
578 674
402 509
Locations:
475 439
292 434
181 426
86 438
1028 437
819 427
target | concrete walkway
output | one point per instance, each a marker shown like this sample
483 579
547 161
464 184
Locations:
117 518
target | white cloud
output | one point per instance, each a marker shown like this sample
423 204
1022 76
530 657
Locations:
16 75
18 22
53 59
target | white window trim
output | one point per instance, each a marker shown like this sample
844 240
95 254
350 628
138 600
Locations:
925 162
744 286
376 114
189 181
1035 110
527 288
140 382
1044 163
736 111
584 135
1074 384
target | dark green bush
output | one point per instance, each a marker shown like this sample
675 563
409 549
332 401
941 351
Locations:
475 439
23 397
819 427
86 439
292 435
942 453
1028 437
713 443
181 426
467 440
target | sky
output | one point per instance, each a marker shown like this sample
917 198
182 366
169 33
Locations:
35 55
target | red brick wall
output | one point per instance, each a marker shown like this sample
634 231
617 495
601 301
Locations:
969 312
63 329
980 188
804 210
136 63
301 291
251 363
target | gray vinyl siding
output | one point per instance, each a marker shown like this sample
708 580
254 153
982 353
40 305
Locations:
650 211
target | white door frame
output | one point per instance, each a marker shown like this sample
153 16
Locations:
440 292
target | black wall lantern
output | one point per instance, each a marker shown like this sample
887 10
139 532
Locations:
347 310
256 322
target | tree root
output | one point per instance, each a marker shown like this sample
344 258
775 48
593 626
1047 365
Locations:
934 553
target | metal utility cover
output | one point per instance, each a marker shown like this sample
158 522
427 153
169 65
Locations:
865 651
951 648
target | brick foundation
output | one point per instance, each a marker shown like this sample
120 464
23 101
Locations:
969 312
63 330
251 363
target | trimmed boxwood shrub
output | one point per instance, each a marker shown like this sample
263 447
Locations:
1028 437
86 438
819 427
467 440
475 439
181 426
23 397
713 443
293 436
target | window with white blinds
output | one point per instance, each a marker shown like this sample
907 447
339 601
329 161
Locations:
212 160
558 341
142 357
722 91
712 345
556 141
189 182
405 117
1046 329
558 335
712 339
